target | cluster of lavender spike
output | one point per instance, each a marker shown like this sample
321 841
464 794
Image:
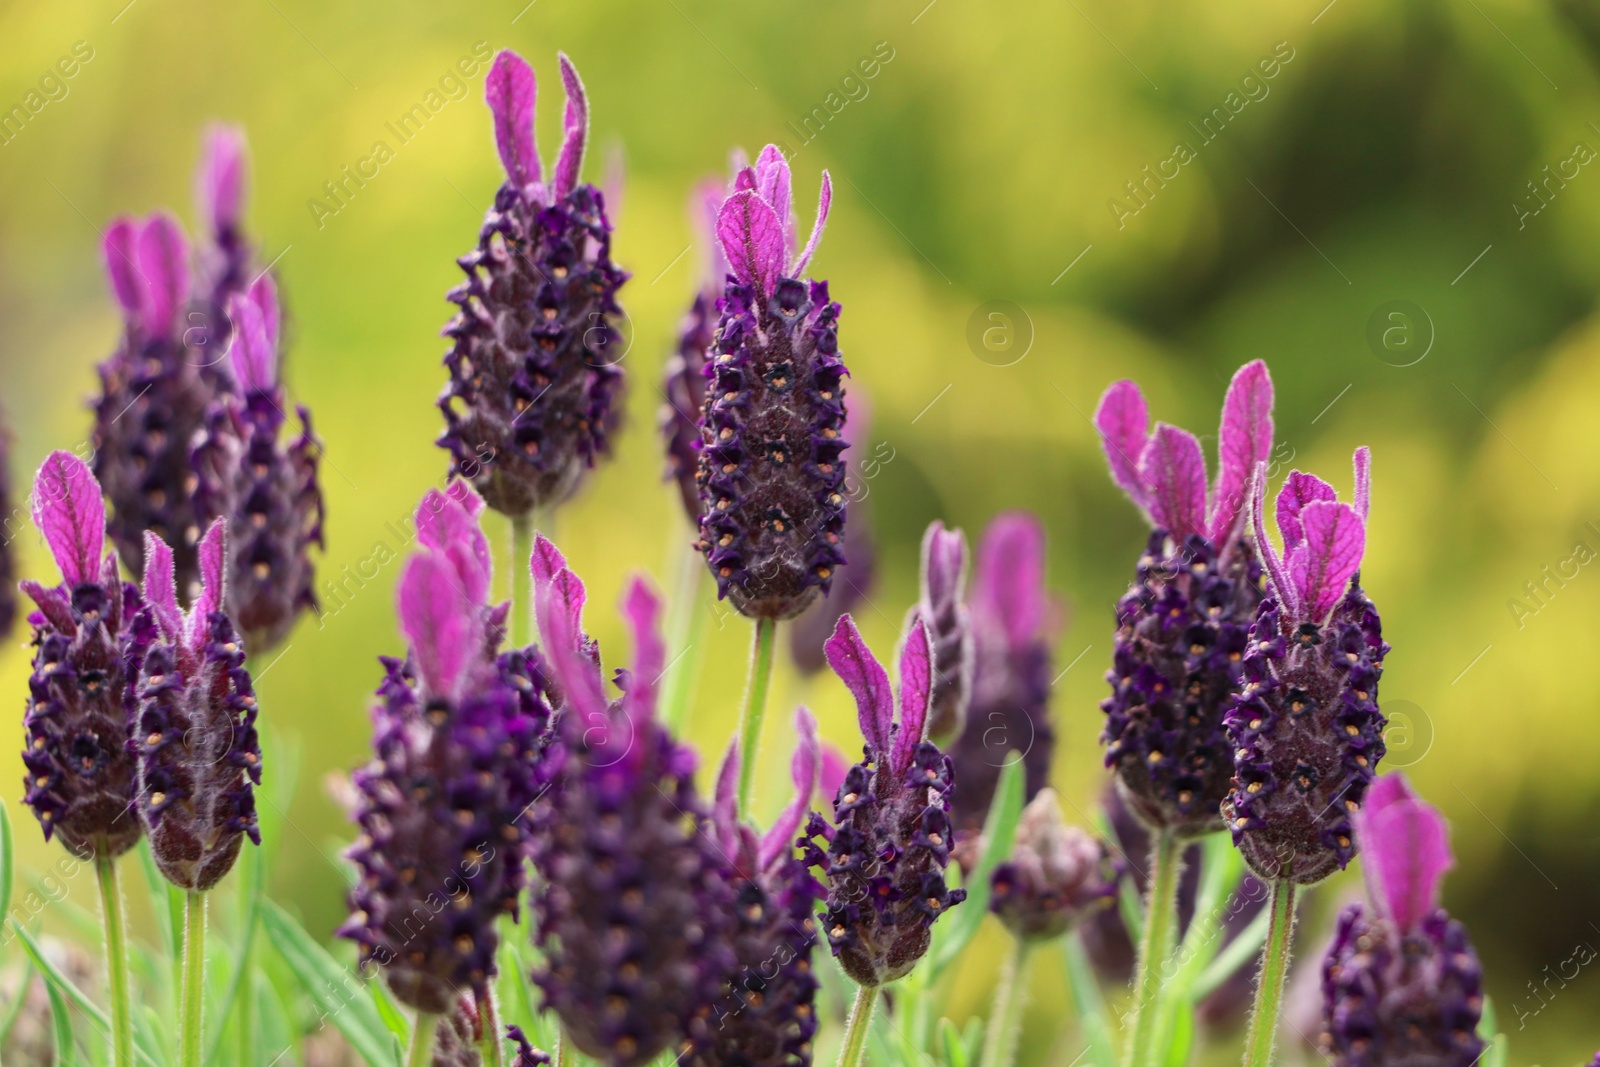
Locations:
190 409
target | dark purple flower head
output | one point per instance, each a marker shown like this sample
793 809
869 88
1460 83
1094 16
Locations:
154 394
943 611
460 738
527 1055
767 1016
633 902
1013 622
1183 625
266 488
684 381
529 406
889 844
1057 875
89 636
1305 727
772 471
1401 983
199 757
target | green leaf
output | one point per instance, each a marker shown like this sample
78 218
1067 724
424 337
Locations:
341 997
15 1010
1238 952
955 931
1180 1038
253 873
1084 989
1132 909
62 1029
1489 1030
60 982
7 861
955 1049
389 1011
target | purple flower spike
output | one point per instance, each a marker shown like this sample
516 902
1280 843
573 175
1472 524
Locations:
942 611
1014 623
461 736
884 857
266 487
771 473
89 638
535 347
1056 877
199 757
1401 982
1305 727
766 1018
1183 625
633 904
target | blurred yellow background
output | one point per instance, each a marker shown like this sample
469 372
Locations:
1388 158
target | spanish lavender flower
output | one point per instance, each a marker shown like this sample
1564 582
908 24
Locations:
1057 875
1183 625
767 1016
89 638
634 909
1305 727
772 472
684 383
940 609
1013 623
527 1055
154 392
266 488
889 844
199 757
529 406
1401 983
459 758
8 566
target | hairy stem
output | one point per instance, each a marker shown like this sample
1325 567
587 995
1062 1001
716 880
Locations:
493 1041
521 577
421 1052
194 977
1005 1021
755 708
1160 929
116 961
1274 972
854 1051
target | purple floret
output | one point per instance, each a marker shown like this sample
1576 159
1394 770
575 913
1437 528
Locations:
1056 876
535 348
771 474
89 638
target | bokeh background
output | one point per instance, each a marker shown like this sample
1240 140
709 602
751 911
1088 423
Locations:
1383 171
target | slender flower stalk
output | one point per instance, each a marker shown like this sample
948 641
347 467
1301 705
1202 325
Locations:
1274 973
192 1012
1010 997
421 1052
853 1053
116 934
1160 935
754 709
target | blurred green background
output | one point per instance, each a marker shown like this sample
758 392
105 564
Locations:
1387 159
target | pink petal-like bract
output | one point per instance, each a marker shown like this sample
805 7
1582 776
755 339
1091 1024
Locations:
575 130
510 90
1173 470
1334 541
1299 490
866 679
752 238
69 511
1245 440
1124 424
160 586
1405 845
916 683
824 203
164 268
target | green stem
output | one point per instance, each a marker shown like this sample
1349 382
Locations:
194 977
521 580
421 1052
755 708
853 1053
1160 927
1005 1021
1274 972
689 618
116 960
493 1042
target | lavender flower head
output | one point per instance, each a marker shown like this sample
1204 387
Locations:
634 907
771 474
1401 982
1305 726
199 757
942 611
1013 622
266 488
1057 875
89 640
684 381
889 844
1183 625
529 406
767 1017
459 735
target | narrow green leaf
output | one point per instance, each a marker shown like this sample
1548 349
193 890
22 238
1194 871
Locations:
253 873
59 981
62 1028
1489 1030
955 1049
15 1010
1180 1038
952 934
7 861
341 997
1132 909
389 1011
1087 1003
